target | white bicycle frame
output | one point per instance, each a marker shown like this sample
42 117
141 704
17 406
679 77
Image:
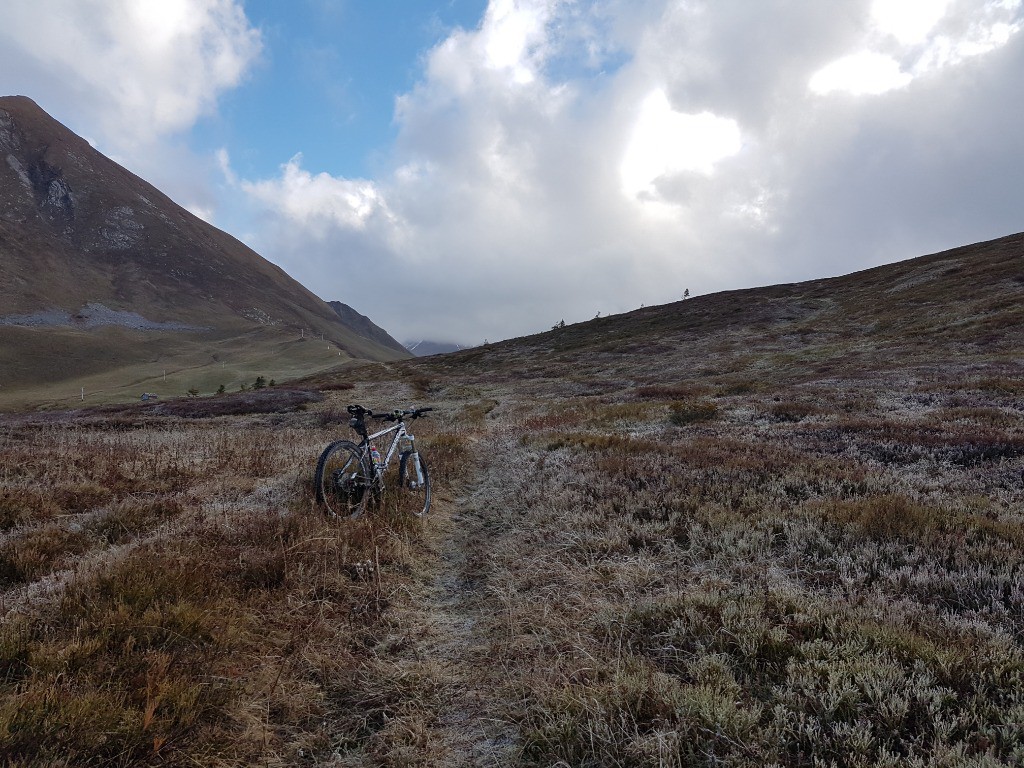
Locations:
401 431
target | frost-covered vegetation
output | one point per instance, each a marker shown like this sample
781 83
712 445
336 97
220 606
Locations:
784 532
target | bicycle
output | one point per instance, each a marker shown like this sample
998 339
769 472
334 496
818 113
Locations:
348 474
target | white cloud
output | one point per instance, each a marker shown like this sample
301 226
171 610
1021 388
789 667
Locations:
976 40
861 73
318 202
223 159
909 21
134 71
509 47
513 32
930 35
666 142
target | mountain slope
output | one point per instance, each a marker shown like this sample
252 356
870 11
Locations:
87 247
957 306
365 327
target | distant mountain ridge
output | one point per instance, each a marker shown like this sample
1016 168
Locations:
365 327
86 245
425 348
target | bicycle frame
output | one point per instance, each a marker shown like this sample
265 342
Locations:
400 431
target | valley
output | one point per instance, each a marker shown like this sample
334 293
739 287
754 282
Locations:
773 527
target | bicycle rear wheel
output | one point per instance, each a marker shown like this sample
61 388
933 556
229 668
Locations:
414 484
343 479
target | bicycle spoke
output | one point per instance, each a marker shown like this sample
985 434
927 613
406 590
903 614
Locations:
342 479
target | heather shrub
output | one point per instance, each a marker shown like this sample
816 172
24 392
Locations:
685 412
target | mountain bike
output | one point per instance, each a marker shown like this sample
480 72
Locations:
349 474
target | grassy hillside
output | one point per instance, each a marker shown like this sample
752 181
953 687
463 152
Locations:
774 527
83 240
117 364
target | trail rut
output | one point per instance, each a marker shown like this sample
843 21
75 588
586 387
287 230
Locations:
461 624
447 636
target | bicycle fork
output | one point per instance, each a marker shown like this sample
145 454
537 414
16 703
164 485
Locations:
414 457
415 472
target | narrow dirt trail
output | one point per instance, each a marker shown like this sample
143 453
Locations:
449 625
461 621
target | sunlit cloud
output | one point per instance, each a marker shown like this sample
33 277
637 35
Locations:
512 31
510 43
930 35
135 72
946 51
318 202
909 21
666 142
859 74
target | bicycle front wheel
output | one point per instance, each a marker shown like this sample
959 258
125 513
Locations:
414 482
343 479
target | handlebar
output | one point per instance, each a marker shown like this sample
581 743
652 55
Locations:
359 413
399 415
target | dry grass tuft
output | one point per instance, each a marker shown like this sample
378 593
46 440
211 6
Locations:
37 552
682 413
19 505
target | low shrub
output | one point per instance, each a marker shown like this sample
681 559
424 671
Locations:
257 401
684 412
19 505
669 391
335 385
446 456
421 384
737 388
133 516
792 411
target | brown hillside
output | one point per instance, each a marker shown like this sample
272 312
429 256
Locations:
86 244
956 307
364 326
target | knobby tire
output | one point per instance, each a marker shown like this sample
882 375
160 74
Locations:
343 479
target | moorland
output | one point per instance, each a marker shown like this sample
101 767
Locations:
773 527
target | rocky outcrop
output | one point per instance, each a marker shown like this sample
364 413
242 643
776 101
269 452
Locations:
94 315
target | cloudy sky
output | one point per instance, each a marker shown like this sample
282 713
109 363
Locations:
470 169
